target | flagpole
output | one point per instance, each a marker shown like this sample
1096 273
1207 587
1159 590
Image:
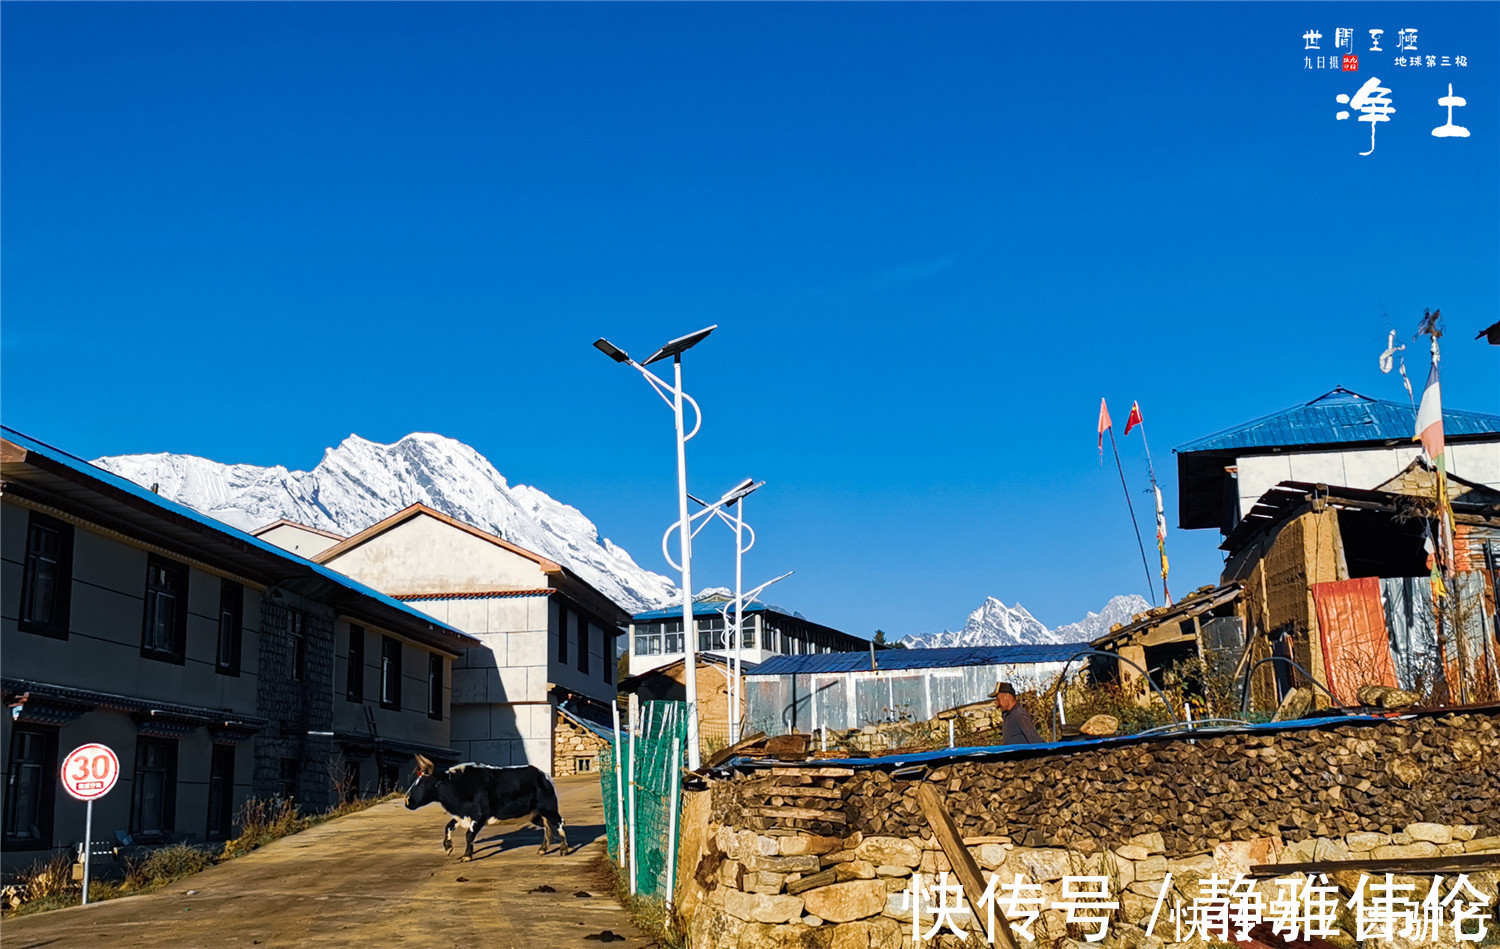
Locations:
1161 521
1432 418
1150 583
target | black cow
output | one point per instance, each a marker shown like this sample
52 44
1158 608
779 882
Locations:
477 794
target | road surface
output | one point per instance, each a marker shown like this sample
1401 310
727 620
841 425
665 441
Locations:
375 878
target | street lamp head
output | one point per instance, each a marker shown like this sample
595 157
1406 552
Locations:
740 490
680 345
611 350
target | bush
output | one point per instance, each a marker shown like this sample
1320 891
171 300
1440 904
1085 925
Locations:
167 865
263 820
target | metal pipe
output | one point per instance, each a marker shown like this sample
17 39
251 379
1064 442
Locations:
689 643
1063 678
675 785
634 727
614 708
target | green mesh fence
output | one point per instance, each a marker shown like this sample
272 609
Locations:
659 753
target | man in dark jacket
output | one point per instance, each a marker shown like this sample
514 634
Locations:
1018 728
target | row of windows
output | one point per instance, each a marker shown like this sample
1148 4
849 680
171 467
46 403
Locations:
665 637
153 793
390 673
45 601
47 586
579 635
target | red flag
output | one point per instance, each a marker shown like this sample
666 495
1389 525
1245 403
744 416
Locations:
1135 417
1104 423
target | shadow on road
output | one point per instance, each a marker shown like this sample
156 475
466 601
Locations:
579 835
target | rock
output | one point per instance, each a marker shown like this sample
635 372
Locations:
811 920
1432 833
767 846
1101 726
886 870
1152 868
1152 842
1331 850
1043 866
853 870
991 856
1398 698
1465 832
801 864
889 851
762 908
1296 703
877 933
1134 851
1395 852
764 881
1451 850
1362 843
805 844
1482 844
846 902
1372 694
713 928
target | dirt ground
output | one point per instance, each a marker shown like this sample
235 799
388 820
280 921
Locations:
375 878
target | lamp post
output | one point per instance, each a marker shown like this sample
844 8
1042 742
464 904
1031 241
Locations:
675 397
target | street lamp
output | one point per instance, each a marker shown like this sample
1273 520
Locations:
674 396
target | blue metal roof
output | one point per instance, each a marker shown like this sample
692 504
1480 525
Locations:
889 660
1337 418
130 487
707 608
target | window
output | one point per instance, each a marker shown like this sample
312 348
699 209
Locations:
583 642
354 678
390 673
434 686
286 778
221 793
231 621
165 631
46 583
562 633
710 633
153 803
296 625
672 637
583 764
33 771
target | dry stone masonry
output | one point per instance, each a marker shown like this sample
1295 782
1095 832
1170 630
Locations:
818 856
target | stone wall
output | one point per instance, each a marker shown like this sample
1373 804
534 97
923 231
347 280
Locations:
819 856
570 744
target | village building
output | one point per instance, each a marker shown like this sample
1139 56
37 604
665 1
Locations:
216 666
850 690
300 539
1329 518
1207 623
656 636
543 634
669 684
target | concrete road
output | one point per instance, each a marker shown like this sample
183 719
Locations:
377 878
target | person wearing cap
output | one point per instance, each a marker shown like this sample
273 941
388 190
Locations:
1018 728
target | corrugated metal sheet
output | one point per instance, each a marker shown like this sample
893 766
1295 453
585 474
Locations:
1413 629
1356 647
699 609
888 660
1340 417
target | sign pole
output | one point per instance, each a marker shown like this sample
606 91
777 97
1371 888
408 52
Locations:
88 845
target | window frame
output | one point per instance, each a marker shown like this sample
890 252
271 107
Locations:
435 686
46 792
170 569
390 673
296 630
56 625
220 802
583 643
354 674
168 770
232 611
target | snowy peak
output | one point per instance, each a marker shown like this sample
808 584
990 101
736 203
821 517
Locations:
995 624
361 482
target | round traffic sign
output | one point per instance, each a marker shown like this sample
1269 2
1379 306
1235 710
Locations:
90 771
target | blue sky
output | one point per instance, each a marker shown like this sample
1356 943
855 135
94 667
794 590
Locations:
933 237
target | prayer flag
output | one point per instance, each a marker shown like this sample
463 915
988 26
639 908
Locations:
1104 423
1430 419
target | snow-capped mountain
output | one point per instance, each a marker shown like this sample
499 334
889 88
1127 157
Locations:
995 624
361 482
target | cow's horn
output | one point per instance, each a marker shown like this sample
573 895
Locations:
424 766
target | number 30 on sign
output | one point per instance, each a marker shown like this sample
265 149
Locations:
90 771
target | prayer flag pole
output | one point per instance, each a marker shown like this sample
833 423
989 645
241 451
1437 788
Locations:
1136 421
1105 425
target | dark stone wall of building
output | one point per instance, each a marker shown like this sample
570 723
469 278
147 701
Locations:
286 756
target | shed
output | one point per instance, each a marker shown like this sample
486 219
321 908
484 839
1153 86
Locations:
840 691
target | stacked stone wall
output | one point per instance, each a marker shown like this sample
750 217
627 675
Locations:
820 856
570 743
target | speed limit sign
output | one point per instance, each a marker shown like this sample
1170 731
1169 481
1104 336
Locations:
90 771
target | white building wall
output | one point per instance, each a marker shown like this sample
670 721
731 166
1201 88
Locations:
1359 468
298 540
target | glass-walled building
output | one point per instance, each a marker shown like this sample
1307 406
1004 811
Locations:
656 637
